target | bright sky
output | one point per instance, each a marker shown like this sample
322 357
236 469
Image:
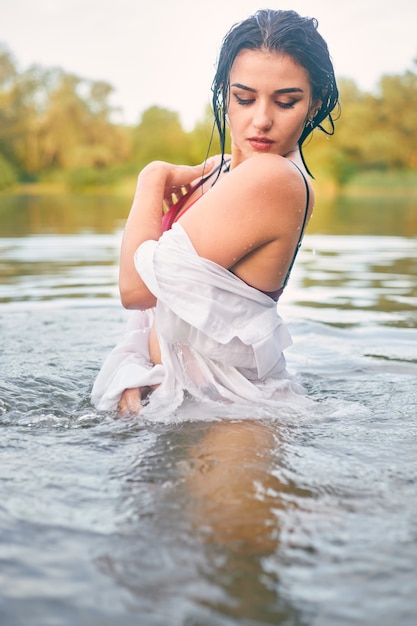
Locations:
163 52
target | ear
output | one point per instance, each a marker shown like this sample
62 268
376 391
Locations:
315 108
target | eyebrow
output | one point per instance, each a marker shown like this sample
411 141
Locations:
277 91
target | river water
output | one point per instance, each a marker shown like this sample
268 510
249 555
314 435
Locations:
290 518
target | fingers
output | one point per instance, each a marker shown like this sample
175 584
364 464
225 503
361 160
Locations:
130 402
182 178
186 175
205 167
175 193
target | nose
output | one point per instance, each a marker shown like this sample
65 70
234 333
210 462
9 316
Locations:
262 118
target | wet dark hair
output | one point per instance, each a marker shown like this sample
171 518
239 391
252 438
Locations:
289 33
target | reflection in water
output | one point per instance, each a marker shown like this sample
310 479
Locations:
237 493
216 490
67 247
24 215
234 495
363 278
311 520
58 268
393 216
43 260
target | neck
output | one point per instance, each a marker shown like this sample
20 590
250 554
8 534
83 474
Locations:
294 151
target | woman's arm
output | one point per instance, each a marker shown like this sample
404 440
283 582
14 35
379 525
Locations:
156 182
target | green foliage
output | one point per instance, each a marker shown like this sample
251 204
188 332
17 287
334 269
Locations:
7 174
374 133
205 139
160 136
81 179
55 124
51 120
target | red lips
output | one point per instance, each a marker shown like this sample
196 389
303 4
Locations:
261 144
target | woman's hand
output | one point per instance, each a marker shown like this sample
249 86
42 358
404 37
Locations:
176 180
156 184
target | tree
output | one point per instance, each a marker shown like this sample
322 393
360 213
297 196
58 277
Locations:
205 138
375 131
51 120
160 136
77 127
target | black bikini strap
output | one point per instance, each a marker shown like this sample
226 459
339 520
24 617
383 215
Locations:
302 227
307 200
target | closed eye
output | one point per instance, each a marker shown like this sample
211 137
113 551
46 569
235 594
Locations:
244 101
286 105
248 101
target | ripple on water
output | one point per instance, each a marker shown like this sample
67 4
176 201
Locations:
304 516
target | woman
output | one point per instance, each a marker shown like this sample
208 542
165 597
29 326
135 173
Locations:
207 287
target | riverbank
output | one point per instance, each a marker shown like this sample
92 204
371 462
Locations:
387 184
401 184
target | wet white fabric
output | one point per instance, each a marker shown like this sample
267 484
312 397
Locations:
220 338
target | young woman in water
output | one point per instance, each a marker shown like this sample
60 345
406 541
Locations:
205 277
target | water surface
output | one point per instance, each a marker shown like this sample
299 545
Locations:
295 518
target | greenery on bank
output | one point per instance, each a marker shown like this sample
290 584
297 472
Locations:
58 131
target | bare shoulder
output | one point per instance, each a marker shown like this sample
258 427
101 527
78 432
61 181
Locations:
264 184
258 202
269 173
268 181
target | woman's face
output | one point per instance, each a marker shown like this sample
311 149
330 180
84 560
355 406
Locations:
270 102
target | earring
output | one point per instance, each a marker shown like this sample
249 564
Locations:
310 120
